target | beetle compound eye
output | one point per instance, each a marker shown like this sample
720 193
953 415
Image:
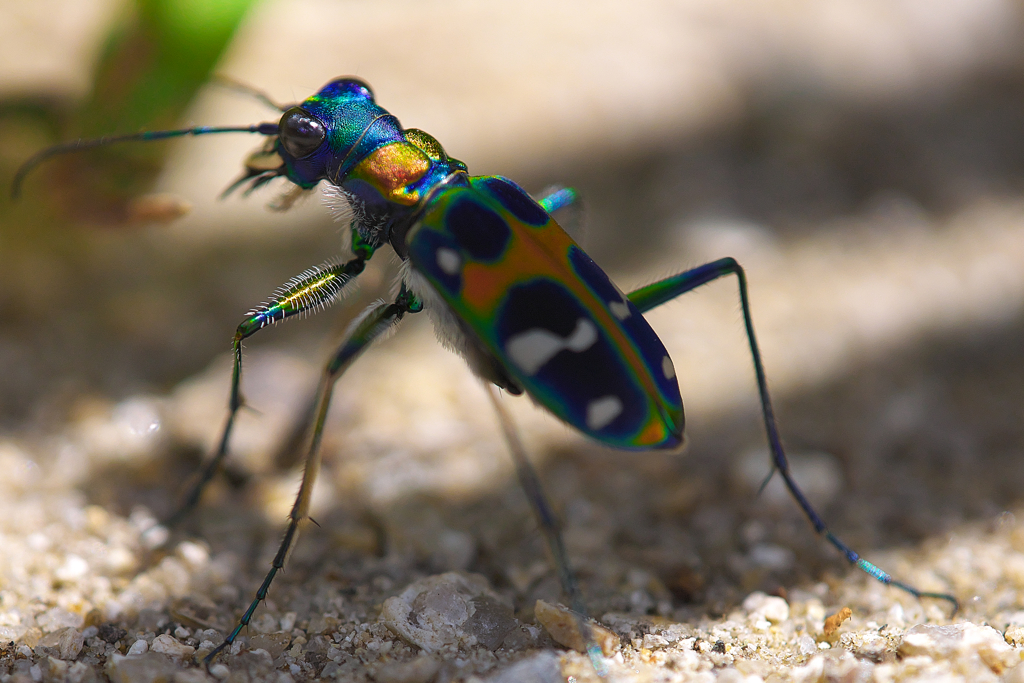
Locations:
301 132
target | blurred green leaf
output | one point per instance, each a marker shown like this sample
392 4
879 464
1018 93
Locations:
153 64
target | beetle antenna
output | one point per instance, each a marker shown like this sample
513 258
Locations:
146 136
238 86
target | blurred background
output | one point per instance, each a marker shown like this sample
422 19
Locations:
863 159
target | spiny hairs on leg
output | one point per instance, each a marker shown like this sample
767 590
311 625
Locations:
307 293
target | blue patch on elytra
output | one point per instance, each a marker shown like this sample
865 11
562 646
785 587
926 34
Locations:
477 229
572 379
635 325
515 200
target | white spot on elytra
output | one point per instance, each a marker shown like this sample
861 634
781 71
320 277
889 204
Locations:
530 350
449 260
667 368
602 411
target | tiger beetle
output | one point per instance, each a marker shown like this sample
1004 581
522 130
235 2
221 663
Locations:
505 286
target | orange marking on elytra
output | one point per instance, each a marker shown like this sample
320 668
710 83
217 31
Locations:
542 252
654 432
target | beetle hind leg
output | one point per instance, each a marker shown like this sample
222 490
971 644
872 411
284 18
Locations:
548 522
669 288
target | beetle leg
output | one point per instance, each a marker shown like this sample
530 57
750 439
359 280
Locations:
557 198
375 322
306 293
658 293
549 526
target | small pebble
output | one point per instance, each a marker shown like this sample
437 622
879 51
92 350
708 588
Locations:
1014 635
266 623
806 645
57 618
194 554
149 666
449 609
288 621
172 648
543 667
868 645
763 606
419 670
74 567
653 641
836 620
563 626
67 641
70 643
274 643
948 641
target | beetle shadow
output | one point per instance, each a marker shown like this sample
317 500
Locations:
797 159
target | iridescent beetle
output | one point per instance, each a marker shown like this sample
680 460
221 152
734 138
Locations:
505 286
